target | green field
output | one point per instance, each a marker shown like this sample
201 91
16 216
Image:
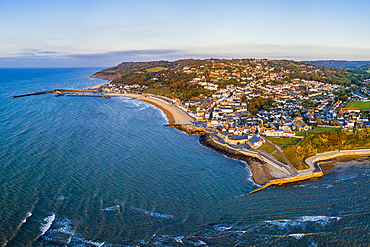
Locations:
363 105
154 90
271 150
316 130
283 140
156 69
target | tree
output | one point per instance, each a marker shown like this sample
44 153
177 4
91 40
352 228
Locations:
335 122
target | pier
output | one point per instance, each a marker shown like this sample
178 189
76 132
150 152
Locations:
56 92
61 92
78 90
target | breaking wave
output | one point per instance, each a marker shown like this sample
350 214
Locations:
112 208
48 221
321 220
154 214
28 214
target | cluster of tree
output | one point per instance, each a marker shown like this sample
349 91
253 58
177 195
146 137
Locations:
343 94
257 104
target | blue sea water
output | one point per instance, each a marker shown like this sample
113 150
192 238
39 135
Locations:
79 171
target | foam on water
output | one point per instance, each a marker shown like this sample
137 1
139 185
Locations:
346 177
297 235
112 208
28 214
62 234
322 220
312 186
153 214
61 198
163 240
222 228
48 221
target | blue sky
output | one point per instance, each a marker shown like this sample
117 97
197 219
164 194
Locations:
103 33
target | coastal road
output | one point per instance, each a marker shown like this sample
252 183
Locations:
291 169
256 153
271 159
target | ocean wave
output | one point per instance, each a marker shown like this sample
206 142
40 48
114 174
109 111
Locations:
321 220
346 177
297 235
63 234
61 198
143 108
28 214
160 240
311 186
222 228
154 214
112 208
48 221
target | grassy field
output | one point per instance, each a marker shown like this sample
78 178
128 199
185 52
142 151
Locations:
316 130
267 148
271 150
363 105
156 69
290 154
154 90
283 140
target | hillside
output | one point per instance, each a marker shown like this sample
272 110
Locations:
179 78
339 63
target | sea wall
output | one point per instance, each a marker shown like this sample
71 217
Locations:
207 141
262 172
290 179
338 154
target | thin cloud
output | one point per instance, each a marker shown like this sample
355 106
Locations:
36 53
123 54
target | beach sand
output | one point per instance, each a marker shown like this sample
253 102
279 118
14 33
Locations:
174 114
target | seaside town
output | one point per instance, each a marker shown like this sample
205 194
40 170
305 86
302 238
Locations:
249 100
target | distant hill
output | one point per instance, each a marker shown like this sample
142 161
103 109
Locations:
340 64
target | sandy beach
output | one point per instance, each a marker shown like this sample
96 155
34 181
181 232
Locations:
174 114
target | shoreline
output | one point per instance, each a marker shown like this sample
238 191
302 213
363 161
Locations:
261 172
174 114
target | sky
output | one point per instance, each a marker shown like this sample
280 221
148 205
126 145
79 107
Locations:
104 33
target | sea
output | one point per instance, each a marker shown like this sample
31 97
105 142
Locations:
90 171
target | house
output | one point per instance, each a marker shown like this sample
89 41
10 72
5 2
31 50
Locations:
349 110
301 126
236 140
279 133
256 141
